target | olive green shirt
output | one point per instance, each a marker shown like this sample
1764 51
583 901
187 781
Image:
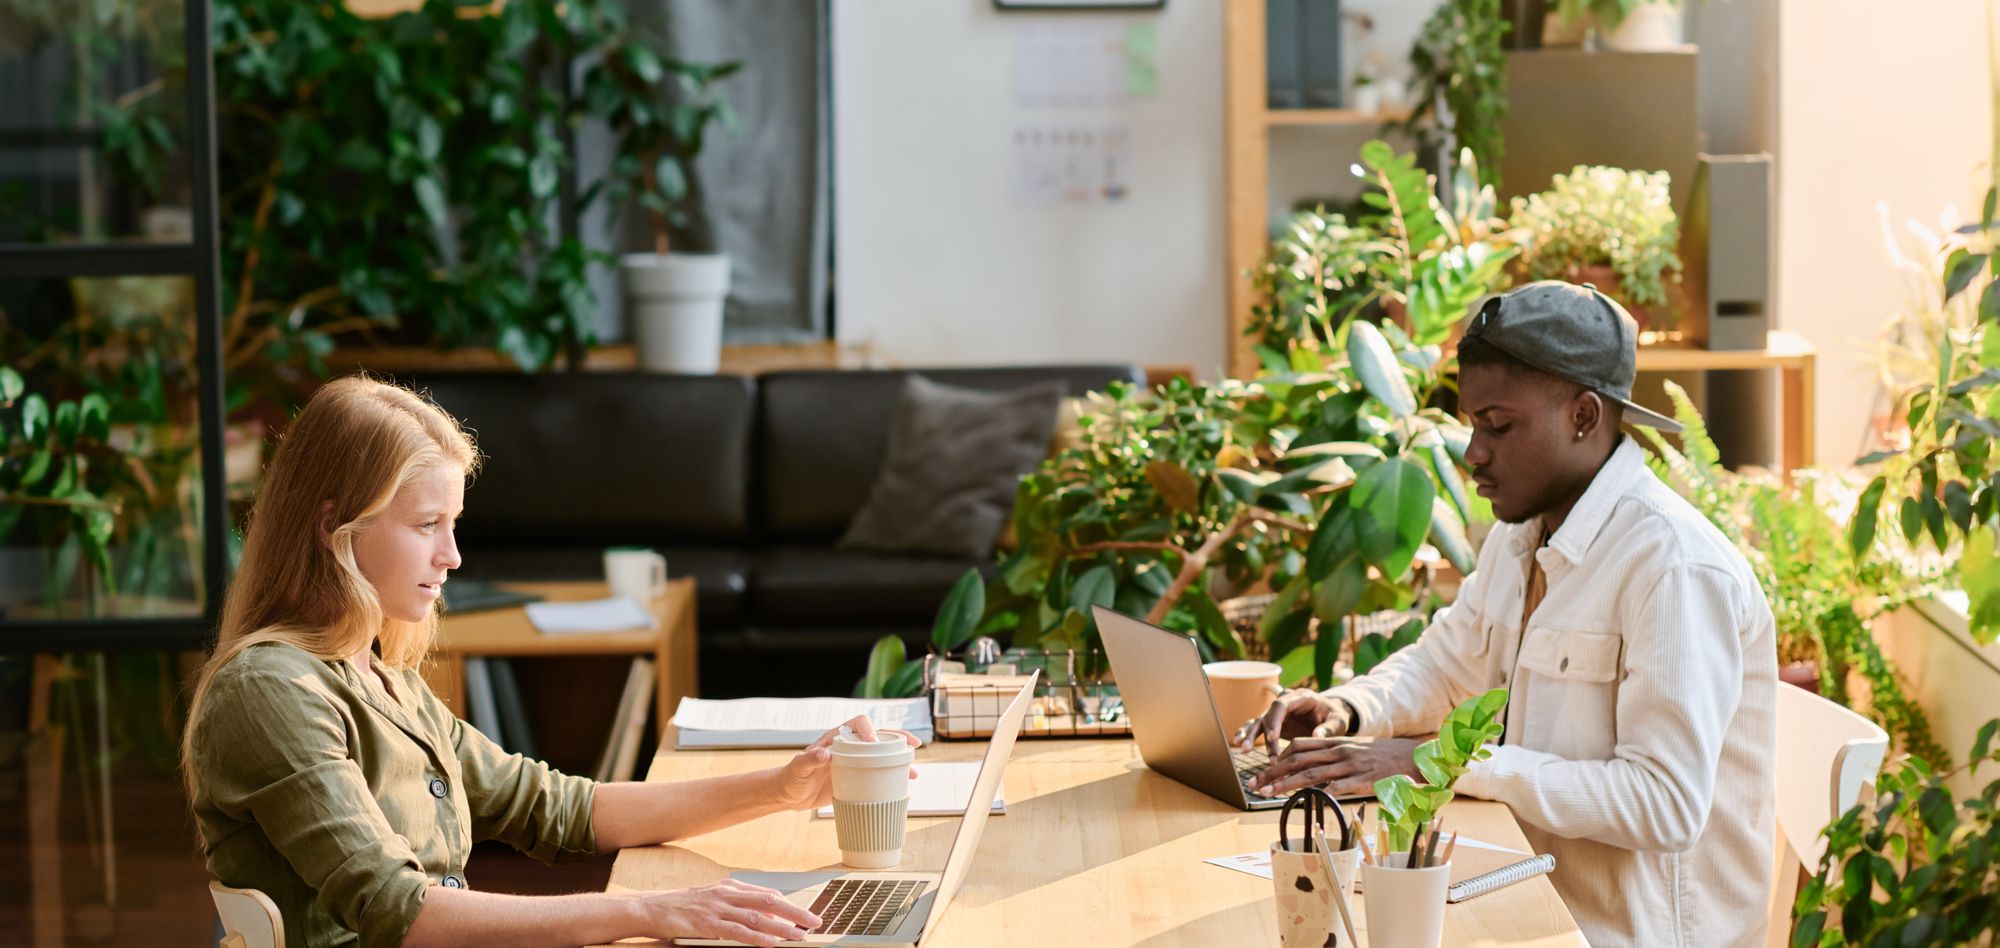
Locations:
344 803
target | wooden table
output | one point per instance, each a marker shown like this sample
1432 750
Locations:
508 633
1095 849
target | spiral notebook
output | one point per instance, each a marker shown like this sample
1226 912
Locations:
1501 878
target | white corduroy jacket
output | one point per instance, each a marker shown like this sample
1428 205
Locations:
1641 721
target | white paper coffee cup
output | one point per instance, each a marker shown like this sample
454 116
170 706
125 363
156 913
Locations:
871 799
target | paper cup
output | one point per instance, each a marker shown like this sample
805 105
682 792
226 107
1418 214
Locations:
1306 913
1242 690
871 799
1405 906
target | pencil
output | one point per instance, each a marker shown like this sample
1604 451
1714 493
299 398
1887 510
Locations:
1448 847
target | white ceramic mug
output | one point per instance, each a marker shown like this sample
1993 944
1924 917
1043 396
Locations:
1405 906
871 799
1242 690
635 572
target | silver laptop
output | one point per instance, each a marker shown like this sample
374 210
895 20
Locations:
1173 714
896 909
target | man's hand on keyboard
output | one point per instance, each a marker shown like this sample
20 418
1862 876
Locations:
1295 713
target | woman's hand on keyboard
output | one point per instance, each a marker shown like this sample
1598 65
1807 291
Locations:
728 910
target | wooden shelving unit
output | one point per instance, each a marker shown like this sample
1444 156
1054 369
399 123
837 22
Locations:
1246 169
1248 124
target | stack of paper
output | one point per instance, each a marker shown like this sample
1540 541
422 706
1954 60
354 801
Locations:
617 614
940 788
790 722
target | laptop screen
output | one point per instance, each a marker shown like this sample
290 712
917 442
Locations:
991 768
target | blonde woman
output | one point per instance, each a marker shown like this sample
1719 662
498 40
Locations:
325 773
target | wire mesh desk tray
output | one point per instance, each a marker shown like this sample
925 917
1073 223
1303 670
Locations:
1066 703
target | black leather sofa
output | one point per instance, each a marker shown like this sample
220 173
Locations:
743 483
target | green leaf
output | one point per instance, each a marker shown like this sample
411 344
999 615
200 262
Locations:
10 385
34 418
542 176
644 62
1370 650
1335 596
1448 535
958 616
1286 603
1958 503
1335 538
907 682
1098 586
1293 670
67 421
883 661
1393 505
1912 516
1861 529
430 197
1243 486
1959 269
38 468
96 417
1982 742
1213 624
1375 365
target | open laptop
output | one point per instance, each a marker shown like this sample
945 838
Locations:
896 909
1173 714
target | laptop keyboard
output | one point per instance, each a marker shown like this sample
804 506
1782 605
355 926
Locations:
1249 764
864 906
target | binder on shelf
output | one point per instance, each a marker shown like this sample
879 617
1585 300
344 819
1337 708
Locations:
1319 53
506 698
1284 77
628 724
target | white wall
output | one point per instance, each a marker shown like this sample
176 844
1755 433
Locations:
1877 102
934 263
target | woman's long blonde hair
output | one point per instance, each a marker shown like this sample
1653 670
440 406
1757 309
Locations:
357 442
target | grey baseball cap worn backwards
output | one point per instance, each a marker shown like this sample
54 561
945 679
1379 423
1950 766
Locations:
1571 332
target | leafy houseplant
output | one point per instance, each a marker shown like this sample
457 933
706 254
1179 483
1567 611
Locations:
438 132
1461 78
1320 478
1462 739
675 298
1945 485
1627 25
1607 226
1422 256
1912 867
1823 597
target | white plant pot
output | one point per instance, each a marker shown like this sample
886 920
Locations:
1649 28
675 307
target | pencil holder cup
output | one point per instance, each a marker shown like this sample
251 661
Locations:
1405 906
1306 914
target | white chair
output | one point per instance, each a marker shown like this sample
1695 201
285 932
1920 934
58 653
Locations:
249 918
1827 757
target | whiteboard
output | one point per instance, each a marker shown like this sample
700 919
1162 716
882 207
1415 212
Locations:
936 260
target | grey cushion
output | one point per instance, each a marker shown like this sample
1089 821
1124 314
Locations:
954 457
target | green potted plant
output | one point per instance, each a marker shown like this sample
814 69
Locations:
674 299
1914 866
1460 71
1630 26
1609 227
1404 880
1320 479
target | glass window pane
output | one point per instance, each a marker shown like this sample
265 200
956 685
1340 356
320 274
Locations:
101 471
94 121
